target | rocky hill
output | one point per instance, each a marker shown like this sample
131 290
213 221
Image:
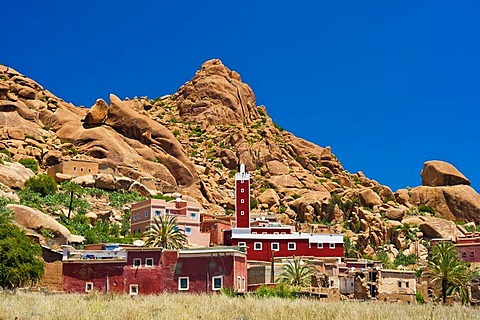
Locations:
192 142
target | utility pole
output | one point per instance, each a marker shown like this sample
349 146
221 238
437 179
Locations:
272 268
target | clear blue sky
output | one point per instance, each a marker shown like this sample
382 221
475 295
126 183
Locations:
387 86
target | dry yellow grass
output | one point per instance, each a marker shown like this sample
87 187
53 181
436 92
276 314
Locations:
183 306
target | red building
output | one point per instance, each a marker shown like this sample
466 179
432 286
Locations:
468 247
264 239
153 270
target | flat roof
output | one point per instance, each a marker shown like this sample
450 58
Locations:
311 237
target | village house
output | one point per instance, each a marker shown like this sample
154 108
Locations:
468 247
140 270
187 214
266 240
397 286
74 167
215 225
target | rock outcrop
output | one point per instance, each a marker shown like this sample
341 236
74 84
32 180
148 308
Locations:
14 175
441 173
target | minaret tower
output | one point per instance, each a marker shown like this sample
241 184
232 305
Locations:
242 198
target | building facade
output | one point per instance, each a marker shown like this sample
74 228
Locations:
187 214
265 240
141 270
74 168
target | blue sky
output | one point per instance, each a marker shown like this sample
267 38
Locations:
387 85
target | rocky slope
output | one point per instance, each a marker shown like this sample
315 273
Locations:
193 141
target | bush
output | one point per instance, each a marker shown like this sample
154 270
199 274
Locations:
280 291
42 184
404 260
253 203
420 299
428 209
29 163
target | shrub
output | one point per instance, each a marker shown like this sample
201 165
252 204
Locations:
280 291
404 260
419 297
29 163
253 203
428 209
42 184
277 126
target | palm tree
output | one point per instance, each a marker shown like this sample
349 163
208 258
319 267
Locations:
349 248
297 273
165 233
73 189
444 265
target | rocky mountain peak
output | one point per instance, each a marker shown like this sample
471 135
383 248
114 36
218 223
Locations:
217 95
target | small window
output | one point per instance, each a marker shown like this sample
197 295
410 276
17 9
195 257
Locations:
242 190
74 168
464 253
134 217
81 169
320 245
257 246
175 228
242 200
167 211
242 213
284 233
472 253
242 244
146 214
217 283
239 283
149 262
138 216
157 213
137 262
188 230
332 245
275 233
399 284
89 287
407 284
134 289
264 233
183 283
331 283
254 232
89 170
275 246
193 215
292 246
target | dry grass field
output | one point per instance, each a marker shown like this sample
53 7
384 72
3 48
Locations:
183 306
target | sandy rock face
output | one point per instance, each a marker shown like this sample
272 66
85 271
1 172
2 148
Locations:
458 203
217 95
98 113
369 197
36 220
441 173
14 175
439 228
269 197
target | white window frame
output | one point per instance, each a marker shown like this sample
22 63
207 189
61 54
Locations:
242 244
320 245
146 214
133 289
193 215
146 262
139 262
88 286
255 246
180 283
277 244
331 245
242 200
276 232
213 282
138 216
290 247
242 190
242 213
188 230
158 213
283 232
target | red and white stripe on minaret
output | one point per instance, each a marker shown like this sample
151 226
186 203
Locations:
242 198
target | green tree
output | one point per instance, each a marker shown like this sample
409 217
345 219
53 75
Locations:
349 249
20 262
43 184
445 266
29 163
72 189
297 273
165 233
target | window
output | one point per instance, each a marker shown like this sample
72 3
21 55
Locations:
242 190
472 253
193 215
89 287
399 284
133 289
89 170
264 233
149 262
257 246
183 283
242 200
331 283
284 233
167 211
242 212
134 217
81 169
239 283
138 216
320 245
217 283
332 245
464 253
157 213
292 246
188 230
275 233
254 232
137 262
275 246
146 214
175 228
407 284
242 244
74 168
